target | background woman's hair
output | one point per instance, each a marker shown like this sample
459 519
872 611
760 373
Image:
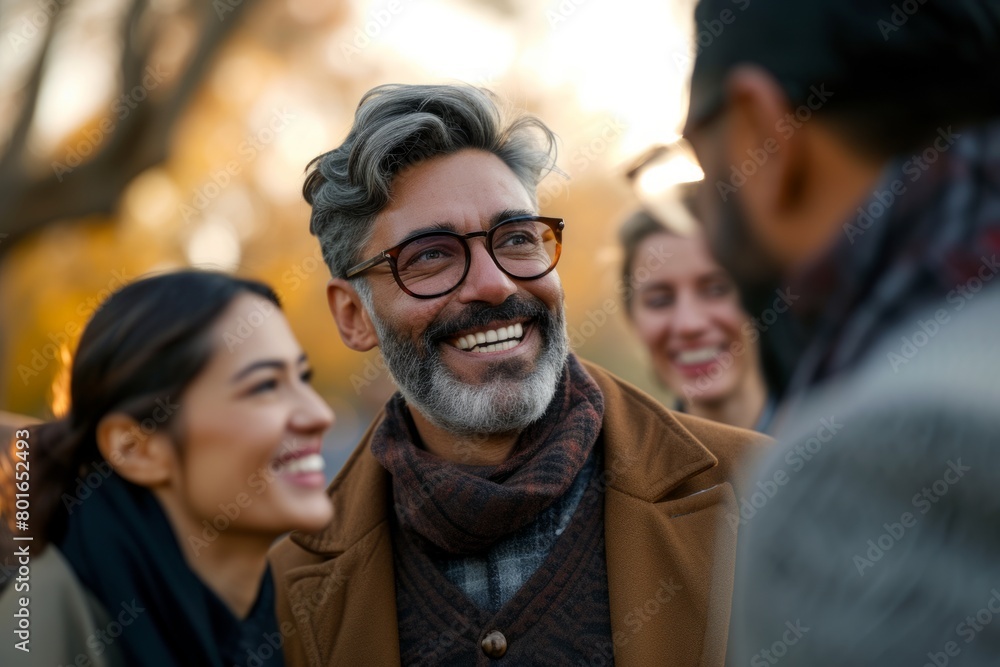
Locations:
641 225
139 352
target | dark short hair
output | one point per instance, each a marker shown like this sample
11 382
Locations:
895 72
396 126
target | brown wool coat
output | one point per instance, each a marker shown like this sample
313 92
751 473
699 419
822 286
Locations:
670 552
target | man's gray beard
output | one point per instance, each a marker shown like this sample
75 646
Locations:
508 402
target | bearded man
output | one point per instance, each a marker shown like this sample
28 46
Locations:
512 503
852 159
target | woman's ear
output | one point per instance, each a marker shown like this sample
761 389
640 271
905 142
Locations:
145 459
355 326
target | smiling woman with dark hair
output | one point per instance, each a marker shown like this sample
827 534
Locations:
192 442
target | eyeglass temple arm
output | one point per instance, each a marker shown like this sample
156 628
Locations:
364 266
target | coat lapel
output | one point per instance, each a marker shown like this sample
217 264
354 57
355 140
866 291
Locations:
345 607
670 567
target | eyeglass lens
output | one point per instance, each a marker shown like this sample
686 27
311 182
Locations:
436 263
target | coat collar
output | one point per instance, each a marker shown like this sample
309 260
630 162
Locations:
635 430
635 426
663 551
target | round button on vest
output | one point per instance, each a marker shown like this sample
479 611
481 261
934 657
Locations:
494 644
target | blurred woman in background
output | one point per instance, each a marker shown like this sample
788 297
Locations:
686 310
192 442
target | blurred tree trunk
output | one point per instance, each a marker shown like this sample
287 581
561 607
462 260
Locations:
33 198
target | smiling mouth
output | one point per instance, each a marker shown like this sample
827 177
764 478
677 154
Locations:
306 459
302 464
498 339
699 356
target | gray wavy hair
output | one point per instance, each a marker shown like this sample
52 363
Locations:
396 126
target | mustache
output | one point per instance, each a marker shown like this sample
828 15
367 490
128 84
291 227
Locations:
477 316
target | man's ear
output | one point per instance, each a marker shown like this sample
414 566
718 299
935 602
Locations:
355 326
766 149
145 459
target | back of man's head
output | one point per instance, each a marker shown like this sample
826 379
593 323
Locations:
889 73
397 126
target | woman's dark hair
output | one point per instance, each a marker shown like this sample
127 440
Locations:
141 349
641 225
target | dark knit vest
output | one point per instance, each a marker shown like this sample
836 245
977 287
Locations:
560 616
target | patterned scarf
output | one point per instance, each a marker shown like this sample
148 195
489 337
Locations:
929 237
464 509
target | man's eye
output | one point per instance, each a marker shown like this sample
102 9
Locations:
515 239
307 376
429 255
425 257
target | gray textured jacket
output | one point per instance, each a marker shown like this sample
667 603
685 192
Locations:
67 625
872 536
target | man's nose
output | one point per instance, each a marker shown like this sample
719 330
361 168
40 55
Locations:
485 281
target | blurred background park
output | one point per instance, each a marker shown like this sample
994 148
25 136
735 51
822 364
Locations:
145 135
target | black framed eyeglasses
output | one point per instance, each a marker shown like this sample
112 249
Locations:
432 264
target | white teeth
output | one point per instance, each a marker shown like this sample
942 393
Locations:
698 356
492 340
498 347
310 463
